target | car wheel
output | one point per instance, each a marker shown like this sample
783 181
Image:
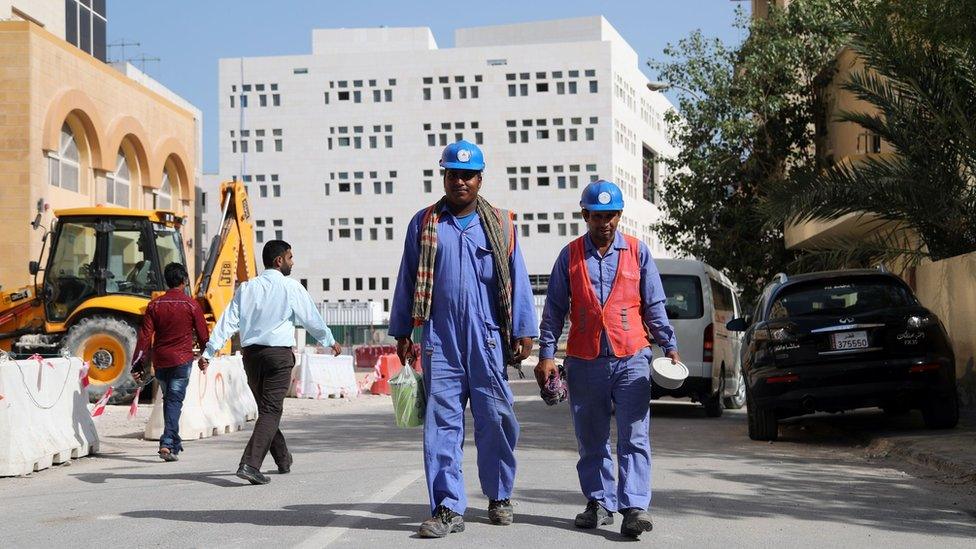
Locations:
738 400
762 422
713 402
941 411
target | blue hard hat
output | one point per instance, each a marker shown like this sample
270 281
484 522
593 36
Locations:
602 195
463 155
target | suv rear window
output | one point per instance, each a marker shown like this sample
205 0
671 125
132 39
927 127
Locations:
839 297
684 296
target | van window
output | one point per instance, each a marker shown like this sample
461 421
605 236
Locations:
684 296
722 298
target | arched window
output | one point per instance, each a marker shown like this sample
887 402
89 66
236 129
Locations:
119 182
64 165
164 196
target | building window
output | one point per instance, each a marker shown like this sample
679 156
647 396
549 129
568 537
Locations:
325 284
304 282
163 199
649 174
85 22
117 184
64 165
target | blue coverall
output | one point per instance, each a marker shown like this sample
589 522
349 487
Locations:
599 385
462 357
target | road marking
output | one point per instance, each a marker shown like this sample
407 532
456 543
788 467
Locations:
342 524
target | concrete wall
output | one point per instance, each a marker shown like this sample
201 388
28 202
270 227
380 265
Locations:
948 288
45 82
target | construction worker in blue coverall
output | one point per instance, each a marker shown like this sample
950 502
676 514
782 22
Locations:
463 357
607 363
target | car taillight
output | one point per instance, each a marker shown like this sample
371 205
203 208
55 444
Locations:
923 368
708 343
783 379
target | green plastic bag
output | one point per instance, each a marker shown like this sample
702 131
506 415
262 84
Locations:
409 402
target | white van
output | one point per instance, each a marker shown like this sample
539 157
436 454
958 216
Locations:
700 300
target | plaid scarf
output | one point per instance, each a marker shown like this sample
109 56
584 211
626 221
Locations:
424 288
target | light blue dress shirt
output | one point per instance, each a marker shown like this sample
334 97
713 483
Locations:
265 311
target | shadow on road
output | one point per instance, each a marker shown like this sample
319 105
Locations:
216 478
389 517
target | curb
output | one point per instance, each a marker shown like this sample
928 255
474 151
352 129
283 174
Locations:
882 448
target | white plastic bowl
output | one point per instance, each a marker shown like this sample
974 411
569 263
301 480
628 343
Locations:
668 375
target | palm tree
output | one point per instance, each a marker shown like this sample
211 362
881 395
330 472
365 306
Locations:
920 58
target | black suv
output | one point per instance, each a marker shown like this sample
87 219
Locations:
840 340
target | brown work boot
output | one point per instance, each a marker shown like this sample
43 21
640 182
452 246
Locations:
501 512
444 522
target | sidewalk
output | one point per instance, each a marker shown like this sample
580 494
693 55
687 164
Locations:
950 454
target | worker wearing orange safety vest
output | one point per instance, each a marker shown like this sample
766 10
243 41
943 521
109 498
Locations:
609 286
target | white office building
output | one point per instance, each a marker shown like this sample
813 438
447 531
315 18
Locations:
339 148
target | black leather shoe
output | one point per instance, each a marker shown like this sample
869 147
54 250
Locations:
251 475
443 522
285 468
594 515
501 512
635 522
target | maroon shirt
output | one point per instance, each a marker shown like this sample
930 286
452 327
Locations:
168 325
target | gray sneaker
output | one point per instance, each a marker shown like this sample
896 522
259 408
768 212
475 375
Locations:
594 515
443 522
500 512
635 522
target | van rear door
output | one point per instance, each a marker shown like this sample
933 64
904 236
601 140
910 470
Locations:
685 306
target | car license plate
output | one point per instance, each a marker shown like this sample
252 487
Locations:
849 340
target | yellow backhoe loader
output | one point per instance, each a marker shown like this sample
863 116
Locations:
103 267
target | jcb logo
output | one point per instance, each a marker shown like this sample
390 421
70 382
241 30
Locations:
246 208
225 275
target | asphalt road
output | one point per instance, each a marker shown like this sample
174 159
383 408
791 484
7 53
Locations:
357 482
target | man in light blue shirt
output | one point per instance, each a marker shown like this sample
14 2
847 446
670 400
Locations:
265 311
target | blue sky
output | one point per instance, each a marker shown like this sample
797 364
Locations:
190 36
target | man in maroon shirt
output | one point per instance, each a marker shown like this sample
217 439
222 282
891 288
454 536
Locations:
168 327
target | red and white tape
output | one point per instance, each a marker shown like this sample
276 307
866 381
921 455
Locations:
99 408
134 407
83 375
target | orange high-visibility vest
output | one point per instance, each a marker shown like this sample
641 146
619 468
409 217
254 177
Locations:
620 317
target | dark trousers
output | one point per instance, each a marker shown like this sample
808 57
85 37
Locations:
172 383
269 376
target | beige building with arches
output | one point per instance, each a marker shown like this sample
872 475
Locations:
76 132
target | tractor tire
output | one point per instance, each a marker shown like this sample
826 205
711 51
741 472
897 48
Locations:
107 344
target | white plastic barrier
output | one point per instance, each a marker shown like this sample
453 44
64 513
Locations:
323 376
44 415
218 401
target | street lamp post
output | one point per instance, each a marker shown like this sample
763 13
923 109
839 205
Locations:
664 86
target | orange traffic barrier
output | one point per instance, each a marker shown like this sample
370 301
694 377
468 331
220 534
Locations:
388 366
